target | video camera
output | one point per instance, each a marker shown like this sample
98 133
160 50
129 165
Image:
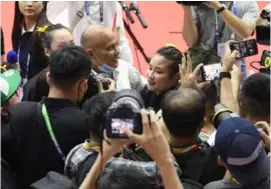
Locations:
126 108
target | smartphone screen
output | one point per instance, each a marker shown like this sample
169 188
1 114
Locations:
245 48
212 71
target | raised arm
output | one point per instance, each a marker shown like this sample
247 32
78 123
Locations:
243 27
190 31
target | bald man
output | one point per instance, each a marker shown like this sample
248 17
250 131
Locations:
78 15
102 45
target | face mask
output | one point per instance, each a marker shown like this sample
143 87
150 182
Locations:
106 69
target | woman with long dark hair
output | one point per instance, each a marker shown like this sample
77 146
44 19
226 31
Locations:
45 40
29 15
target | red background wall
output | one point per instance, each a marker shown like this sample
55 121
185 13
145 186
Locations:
164 18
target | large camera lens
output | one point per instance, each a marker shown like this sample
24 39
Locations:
222 113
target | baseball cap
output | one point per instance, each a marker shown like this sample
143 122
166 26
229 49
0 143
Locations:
239 145
9 82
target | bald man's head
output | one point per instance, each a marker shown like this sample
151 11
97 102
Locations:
95 35
102 45
183 112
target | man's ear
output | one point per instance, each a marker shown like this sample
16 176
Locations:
83 85
90 52
47 52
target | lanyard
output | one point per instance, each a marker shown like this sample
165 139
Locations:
51 132
218 33
27 61
101 10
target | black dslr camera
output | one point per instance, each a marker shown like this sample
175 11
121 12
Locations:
103 79
126 108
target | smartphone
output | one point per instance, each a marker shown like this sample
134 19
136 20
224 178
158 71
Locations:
245 48
212 71
201 77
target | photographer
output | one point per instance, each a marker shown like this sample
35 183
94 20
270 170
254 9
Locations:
239 147
38 148
82 157
152 135
253 105
210 24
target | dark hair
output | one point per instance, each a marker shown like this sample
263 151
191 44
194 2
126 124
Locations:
172 54
183 112
19 22
125 178
96 108
255 95
41 40
68 65
210 93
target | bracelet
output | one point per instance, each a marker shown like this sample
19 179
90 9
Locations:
224 74
221 9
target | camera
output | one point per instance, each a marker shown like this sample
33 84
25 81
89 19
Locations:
92 89
190 3
126 108
103 79
263 30
222 113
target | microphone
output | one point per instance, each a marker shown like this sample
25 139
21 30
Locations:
12 59
134 7
127 12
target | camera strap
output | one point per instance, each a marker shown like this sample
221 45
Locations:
50 130
219 33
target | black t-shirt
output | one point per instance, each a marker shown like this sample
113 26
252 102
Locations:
7 176
36 88
200 165
34 151
2 43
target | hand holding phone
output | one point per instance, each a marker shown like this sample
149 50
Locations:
264 131
245 48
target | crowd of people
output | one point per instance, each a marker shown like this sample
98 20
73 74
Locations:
75 68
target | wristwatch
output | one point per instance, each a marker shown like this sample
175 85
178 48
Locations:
224 74
221 9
